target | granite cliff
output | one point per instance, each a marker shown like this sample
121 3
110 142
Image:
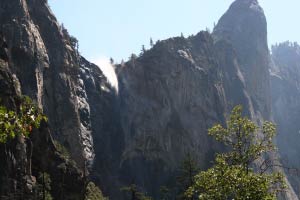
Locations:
172 93
167 99
40 60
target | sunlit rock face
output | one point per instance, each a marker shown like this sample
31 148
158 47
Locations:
245 26
24 159
285 82
45 60
172 93
42 58
168 98
139 128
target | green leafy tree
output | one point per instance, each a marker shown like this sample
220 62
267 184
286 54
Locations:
225 181
20 123
232 176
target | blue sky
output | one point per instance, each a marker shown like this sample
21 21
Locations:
117 28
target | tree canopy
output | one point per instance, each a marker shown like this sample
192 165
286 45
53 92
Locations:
233 176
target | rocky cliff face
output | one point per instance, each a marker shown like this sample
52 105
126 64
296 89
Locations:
174 92
41 58
23 160
168 97
285 76
41 55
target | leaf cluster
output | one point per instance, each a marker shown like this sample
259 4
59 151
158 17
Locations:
21 122
225 181
232 176
247 141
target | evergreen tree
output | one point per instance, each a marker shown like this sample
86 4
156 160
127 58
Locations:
151 42
111 61
133 57
143 49
122 62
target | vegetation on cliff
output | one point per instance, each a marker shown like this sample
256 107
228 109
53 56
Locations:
93 192
21 122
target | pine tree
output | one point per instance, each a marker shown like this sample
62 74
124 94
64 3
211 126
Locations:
111 61
151 42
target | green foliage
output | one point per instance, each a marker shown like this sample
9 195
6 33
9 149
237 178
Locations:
242 136
44 186
93 192
22 122
225 181
134 193
232 176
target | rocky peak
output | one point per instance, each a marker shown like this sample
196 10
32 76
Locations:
247 4
241 10
244 26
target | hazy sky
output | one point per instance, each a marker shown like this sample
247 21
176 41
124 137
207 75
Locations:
117 28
